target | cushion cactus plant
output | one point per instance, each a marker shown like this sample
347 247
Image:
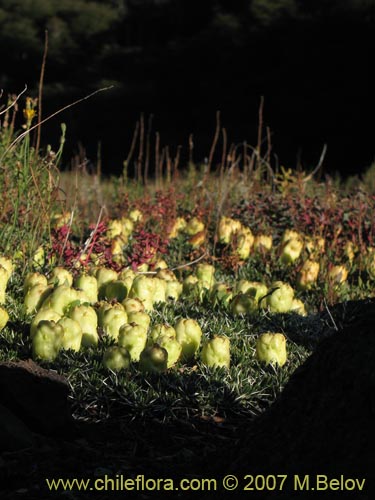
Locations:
133 337
4 317
89 285
153 359
216 352
43 314
72 337
140 318
189 335
271 348
35 297
33 279
60 299
243 303
143 288
60 276
86 316
159 330
173 348
4 277
47 340
116 358
113 319
281 299
308 274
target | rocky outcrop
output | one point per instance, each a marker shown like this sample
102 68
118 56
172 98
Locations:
324 420
34 395
14 434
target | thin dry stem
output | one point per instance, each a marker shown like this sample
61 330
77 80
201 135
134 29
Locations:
181 266
89 239
320 163
133 143
52 115
157 157
147 160
40 93
224 155
176 163
214 142
169 165
13 102
191 149
161 163
269 146
260 126
141 146
68 233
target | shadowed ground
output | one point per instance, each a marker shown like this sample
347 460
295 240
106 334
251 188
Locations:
323 423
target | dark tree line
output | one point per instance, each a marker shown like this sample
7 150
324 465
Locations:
86 37
196 56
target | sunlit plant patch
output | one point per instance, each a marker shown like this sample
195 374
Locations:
195 299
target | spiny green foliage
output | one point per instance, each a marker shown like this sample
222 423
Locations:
187 390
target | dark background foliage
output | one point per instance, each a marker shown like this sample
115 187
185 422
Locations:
181 60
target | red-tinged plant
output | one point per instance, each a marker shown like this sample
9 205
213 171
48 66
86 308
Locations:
62 247
160 213
145 247
122 206
71 253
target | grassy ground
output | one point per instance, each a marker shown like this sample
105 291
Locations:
189 411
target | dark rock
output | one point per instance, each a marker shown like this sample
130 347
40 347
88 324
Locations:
37 396
324 420
14 435
344 314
